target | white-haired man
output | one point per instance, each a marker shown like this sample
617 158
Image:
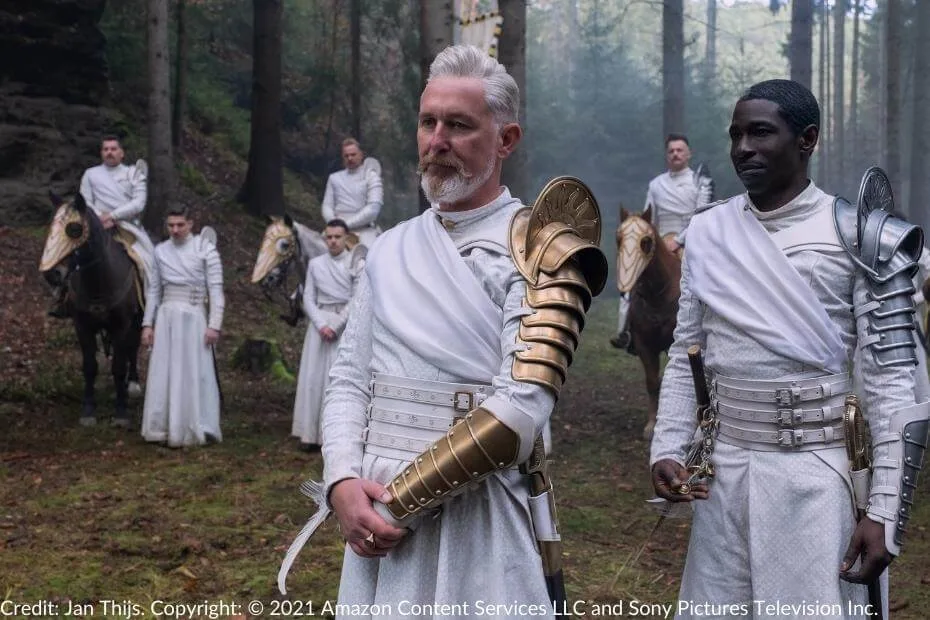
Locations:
436 396
354 194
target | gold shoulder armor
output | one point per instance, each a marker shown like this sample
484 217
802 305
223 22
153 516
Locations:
554 245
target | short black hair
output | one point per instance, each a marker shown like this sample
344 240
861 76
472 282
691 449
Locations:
179 211
334 223
111 137
796 103
672 137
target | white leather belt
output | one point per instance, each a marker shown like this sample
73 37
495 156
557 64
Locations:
784 392
782 416
768 416
185 294
406 416
796 438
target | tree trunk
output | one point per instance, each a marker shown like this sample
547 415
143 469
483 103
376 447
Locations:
826 115
673 67
355 14
710 50
435 35
853 127
892 132
263 191
162 182
839 54
180 71
920 162
822 93
512 54
800 42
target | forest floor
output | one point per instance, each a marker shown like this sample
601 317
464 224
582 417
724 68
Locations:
89 515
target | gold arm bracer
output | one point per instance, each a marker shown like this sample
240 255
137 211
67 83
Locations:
474 448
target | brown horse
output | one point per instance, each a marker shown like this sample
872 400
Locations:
649 273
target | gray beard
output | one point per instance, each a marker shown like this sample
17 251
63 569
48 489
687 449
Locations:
455 188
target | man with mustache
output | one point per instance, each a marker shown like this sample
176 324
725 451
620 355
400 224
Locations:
117 194
437 394
774 291
354 194
671 200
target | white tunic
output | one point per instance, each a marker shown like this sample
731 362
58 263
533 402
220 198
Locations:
672 197
327 291
482 545
770 512
182 399
355 196
121 192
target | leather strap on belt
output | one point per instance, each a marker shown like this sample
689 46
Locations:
460 400
785 393
797 438
782 416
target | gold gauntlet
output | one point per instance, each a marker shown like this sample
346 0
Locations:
475 447
554 247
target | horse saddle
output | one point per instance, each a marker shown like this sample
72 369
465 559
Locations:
127 239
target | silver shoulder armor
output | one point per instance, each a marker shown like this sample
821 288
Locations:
886 249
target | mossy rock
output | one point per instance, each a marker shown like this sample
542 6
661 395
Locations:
261 356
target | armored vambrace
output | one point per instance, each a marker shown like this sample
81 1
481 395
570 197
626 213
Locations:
474 448
894 476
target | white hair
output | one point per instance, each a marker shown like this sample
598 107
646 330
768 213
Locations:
500 89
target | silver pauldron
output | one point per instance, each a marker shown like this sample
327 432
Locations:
886 249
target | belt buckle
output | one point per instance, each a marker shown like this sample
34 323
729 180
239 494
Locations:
793 437
788 396
194 297
790 417
457 400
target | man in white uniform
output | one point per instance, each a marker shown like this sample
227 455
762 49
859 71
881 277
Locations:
331 279
772 290
354 194
445 364
117 195
182 396
671 198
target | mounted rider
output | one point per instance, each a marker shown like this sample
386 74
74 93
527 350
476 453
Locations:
117 194
354 194
671 200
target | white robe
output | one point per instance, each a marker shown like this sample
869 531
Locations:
488 527
121 192
182 398
770 513
355 197
327 291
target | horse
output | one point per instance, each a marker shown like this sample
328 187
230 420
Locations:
650 273
103 280
286 243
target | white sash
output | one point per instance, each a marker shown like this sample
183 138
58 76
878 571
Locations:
425 294
738 272
676 194
333 279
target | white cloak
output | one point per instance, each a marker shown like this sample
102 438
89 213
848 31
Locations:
327 291
182 398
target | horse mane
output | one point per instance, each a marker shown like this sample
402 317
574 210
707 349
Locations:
309 242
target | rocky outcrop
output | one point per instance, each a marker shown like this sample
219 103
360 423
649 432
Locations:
52 85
